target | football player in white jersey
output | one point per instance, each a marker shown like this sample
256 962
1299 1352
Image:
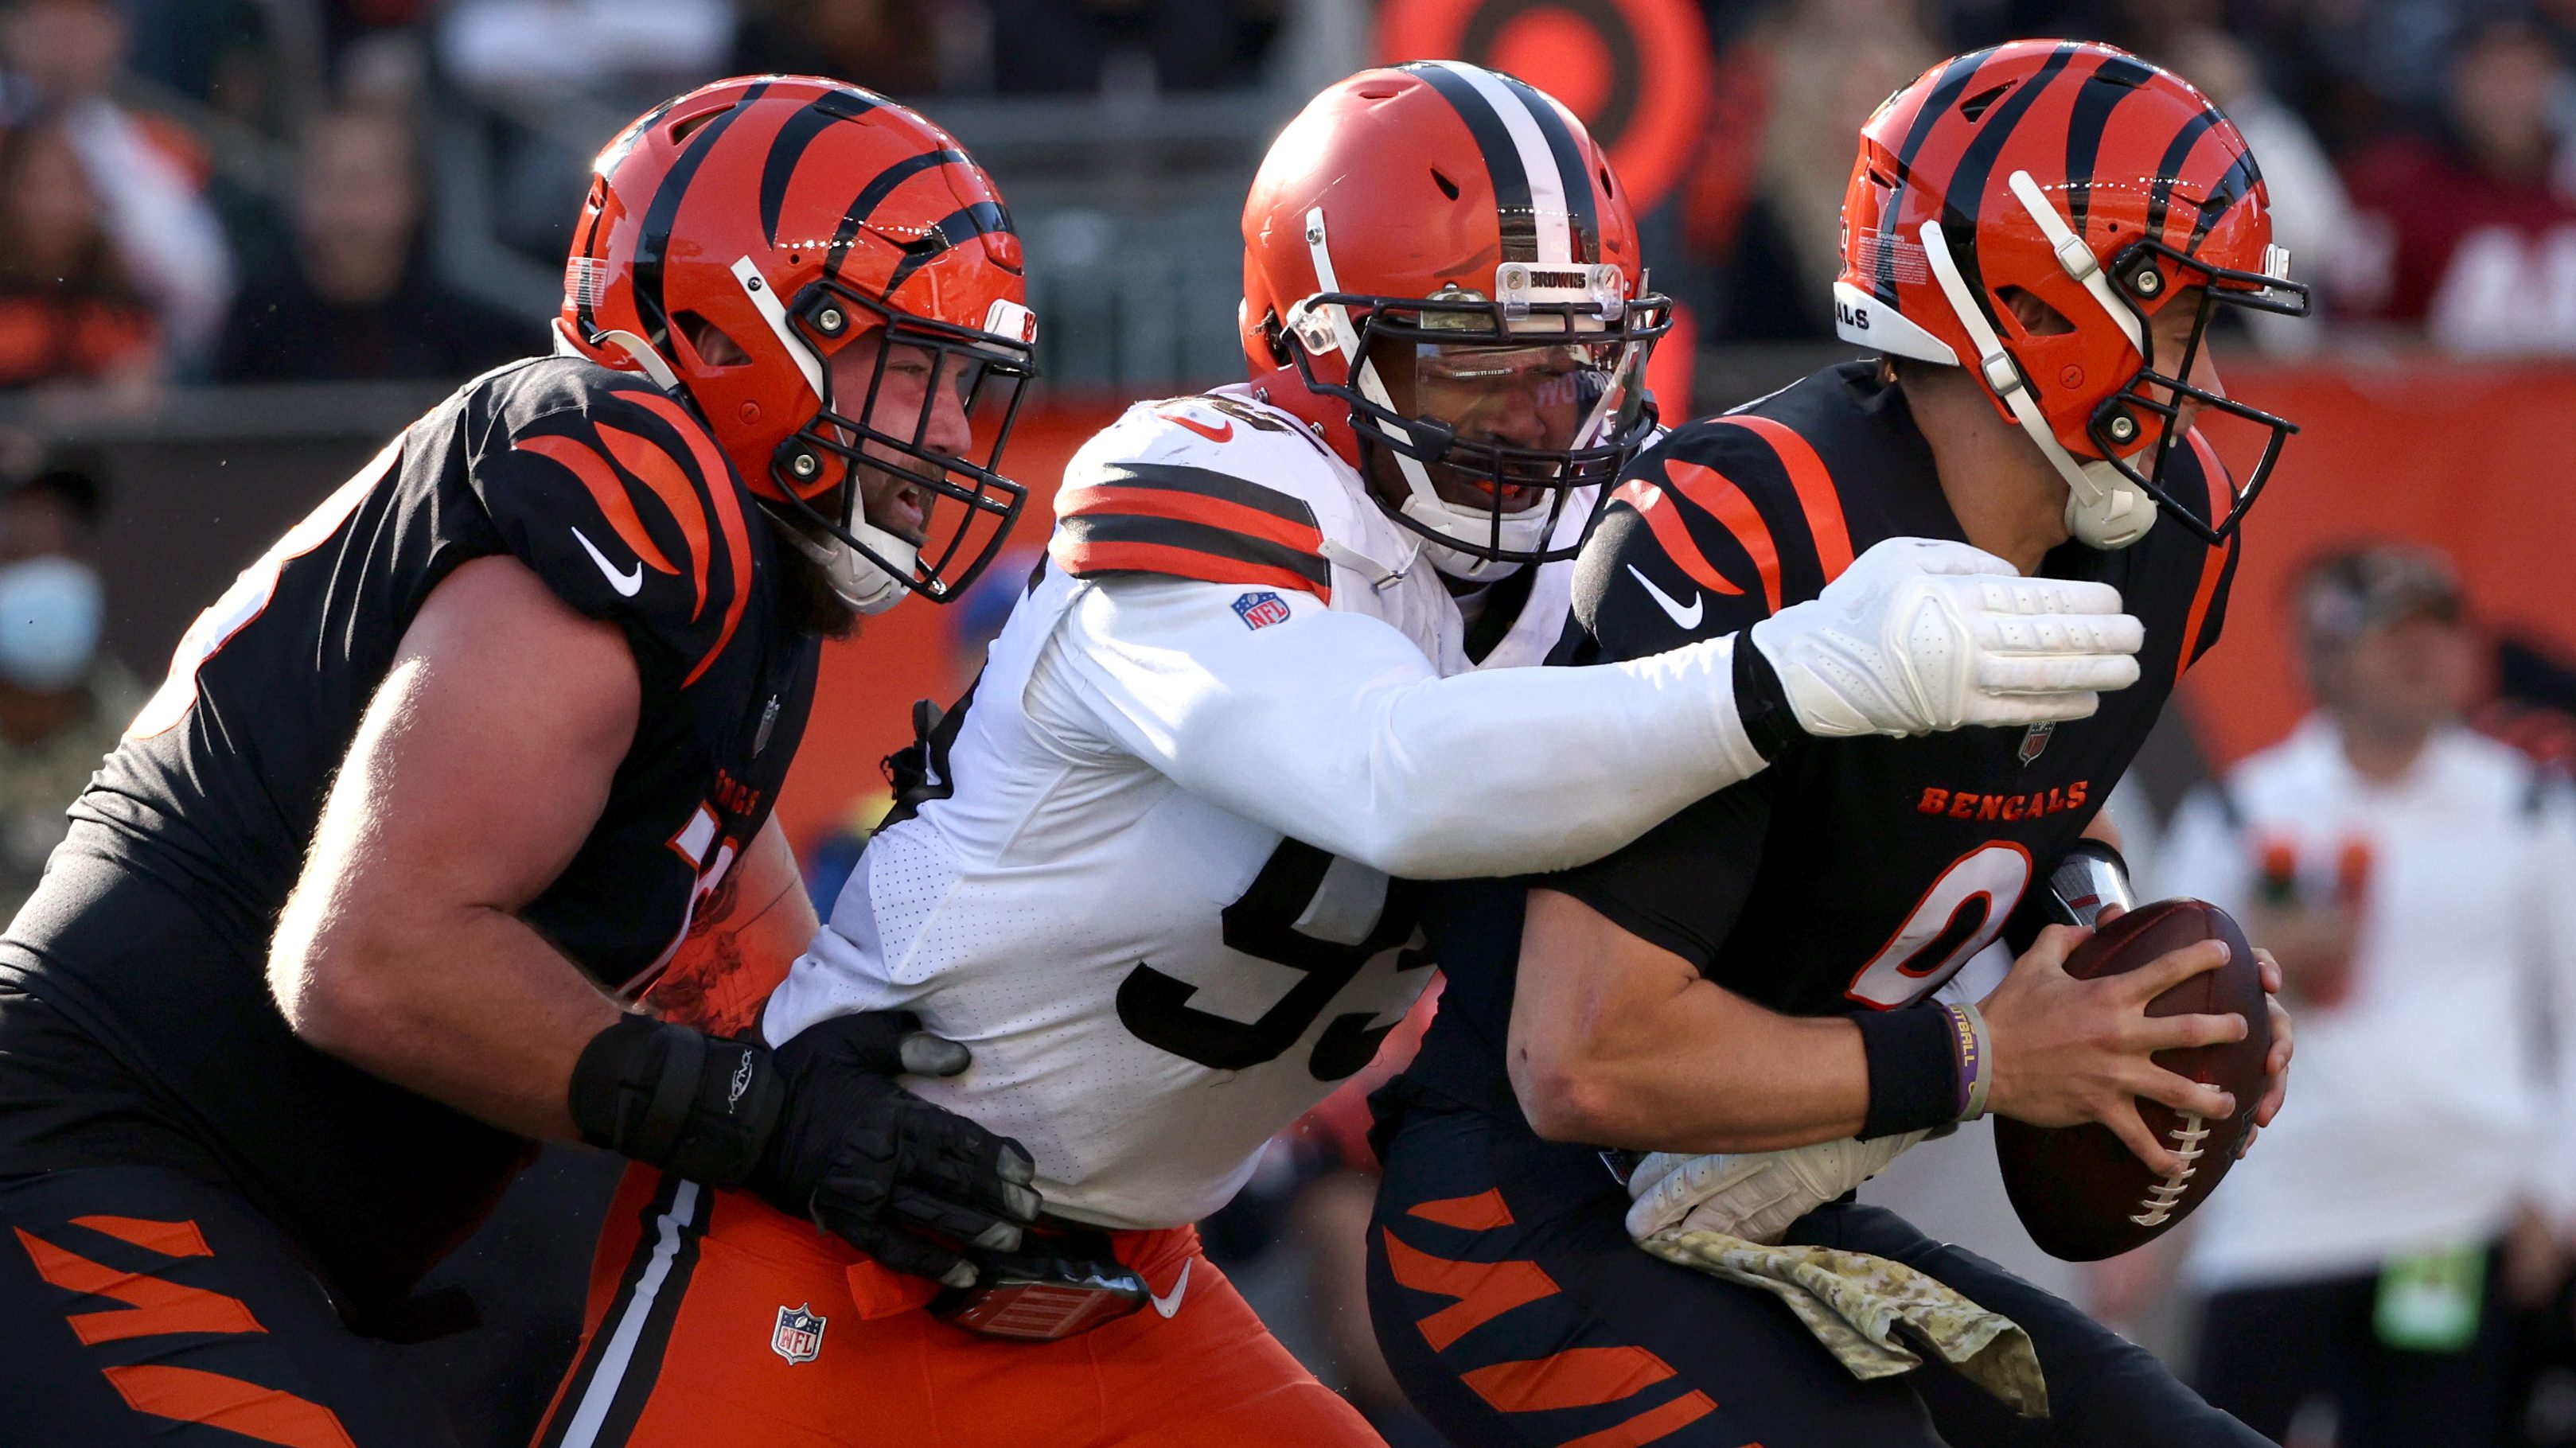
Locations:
1154 876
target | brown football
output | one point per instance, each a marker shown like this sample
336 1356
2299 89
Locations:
2082 1193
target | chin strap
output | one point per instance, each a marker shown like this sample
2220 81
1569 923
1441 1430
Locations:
857 582
2103 509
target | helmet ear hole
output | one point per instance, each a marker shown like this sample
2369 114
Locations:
713 346
2035 315
1448 187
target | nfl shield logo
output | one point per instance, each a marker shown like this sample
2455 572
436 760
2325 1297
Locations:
2034 740
799 1336
1261 610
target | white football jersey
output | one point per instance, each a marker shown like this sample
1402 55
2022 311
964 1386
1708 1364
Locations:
1151 982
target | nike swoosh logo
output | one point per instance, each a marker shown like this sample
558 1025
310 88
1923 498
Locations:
1222 432
625 583
1687 618
1170 1302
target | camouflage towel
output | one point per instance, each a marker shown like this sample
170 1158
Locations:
1855 1304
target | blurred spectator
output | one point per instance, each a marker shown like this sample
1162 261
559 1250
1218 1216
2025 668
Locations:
628 51
69 312
214 52
2311 212
2415 881
2477 231
1092 45
1774 236
885 45
63 703
358 299
2534 708
147 175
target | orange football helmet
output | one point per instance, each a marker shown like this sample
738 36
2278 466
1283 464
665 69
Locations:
2102 186
793 216
1459 228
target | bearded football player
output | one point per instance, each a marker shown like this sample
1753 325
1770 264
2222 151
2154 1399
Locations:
1276 658
2035 240
357 912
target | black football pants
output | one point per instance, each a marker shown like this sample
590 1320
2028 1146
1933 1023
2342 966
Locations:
1515 1311
142 1307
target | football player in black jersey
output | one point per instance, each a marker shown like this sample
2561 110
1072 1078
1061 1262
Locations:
2035 238
437 789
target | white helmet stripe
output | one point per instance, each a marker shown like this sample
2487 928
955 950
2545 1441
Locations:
1538 163
2074 257
764 300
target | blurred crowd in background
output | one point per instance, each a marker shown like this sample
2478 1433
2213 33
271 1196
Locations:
216 192
243 190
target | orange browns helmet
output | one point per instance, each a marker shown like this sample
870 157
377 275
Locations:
1456 222
2102 186
794 215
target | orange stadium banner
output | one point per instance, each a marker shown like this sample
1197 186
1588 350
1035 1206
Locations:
1636 71
2469 458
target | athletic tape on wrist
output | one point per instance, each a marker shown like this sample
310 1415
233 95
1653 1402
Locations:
1975 1053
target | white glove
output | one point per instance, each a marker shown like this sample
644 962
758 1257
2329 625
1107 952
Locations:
1756 1194
1920 635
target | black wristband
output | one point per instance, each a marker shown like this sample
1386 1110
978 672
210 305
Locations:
676 1098
1913 1069
1761 702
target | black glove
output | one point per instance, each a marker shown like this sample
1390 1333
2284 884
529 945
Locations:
819 1129
891 1174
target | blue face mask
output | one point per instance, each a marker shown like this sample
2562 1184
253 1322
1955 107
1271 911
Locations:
50 613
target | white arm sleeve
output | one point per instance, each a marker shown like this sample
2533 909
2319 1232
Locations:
1332 728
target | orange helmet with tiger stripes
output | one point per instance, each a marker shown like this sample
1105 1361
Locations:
791 216
2102 186
1446 226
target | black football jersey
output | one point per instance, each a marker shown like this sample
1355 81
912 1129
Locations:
152 928
1851 874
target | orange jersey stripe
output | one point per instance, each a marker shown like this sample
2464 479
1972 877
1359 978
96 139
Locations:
191 1395
605 490
719 480
1672 533
1084 559
170 1239
152 1307
1814 485
1574 1377
1101 499
662 474
1485 1290
1724 501
1481 1212
1651 1424
2212 568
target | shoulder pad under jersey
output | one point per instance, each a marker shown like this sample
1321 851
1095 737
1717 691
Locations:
1741 503
1216 487
621 501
